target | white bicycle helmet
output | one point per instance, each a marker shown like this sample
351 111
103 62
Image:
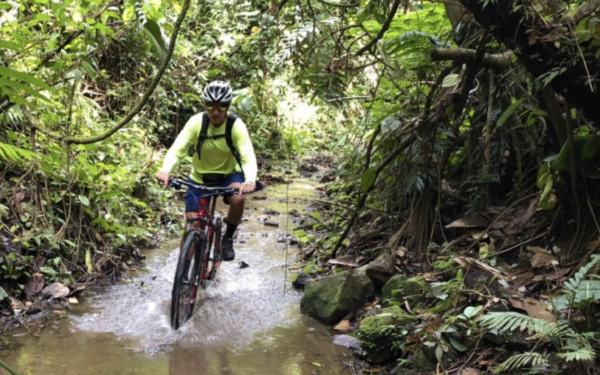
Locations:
218 92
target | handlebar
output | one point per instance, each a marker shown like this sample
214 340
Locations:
206 190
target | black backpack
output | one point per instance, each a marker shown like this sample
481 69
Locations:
228 127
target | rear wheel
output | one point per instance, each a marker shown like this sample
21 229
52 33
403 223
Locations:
185 285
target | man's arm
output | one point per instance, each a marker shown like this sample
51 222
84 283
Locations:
241 141
187 137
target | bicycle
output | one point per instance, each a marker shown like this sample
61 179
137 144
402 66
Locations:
199 255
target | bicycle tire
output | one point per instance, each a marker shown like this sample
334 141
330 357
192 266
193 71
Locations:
185 284
213 257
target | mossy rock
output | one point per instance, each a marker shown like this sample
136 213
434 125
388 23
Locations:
395 283
414 289
378 333
331 298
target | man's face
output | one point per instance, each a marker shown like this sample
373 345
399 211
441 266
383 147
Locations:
217 113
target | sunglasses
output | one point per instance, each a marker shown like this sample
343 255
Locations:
212 107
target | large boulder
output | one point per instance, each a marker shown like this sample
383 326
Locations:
331 298
415 290
381 270
378 334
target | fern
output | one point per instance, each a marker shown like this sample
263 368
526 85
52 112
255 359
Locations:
573 284
521 360
8 152
582 354
509 321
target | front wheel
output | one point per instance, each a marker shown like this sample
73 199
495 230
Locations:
214 244
185 285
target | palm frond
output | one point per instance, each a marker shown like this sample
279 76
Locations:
509 321
572 285
582 354
517 361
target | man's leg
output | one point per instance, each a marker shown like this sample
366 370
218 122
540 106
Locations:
234 217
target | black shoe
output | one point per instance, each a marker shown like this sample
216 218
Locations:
227 248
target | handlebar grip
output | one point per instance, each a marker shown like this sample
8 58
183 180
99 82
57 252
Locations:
173 182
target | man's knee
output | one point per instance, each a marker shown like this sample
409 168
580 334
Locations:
236 200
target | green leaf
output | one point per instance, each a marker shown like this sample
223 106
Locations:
508 112
48 270
3 294
561 163
591 148
11 73
10 45
451 80
155 32
458 346
27 89
4 6
543 175
84 200
368 179
547 199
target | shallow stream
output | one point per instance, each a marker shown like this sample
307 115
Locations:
247 322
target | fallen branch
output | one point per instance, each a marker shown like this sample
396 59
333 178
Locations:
498 61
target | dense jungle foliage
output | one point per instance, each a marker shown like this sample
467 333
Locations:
466 130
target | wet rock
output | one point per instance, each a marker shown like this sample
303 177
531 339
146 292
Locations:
271 223
294 240
377 337
315 206
307 224
294 213
414 290
381 270
34 285
55 290
346 341
33 309
482 282
244 264
301 280
393 284
331 298
269 211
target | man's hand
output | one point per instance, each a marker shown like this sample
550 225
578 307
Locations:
164 177
246 187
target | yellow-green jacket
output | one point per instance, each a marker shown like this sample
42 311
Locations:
216 155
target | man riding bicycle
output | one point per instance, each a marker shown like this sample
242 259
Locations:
224 157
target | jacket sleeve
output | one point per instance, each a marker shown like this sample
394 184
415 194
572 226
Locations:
186 138
241 141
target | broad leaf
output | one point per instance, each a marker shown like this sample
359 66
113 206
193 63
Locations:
368 179
509 111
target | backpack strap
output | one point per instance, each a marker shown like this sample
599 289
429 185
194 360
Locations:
228 137
202 137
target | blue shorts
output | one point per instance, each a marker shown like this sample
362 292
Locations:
193 195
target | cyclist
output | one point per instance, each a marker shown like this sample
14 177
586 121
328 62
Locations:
215 161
